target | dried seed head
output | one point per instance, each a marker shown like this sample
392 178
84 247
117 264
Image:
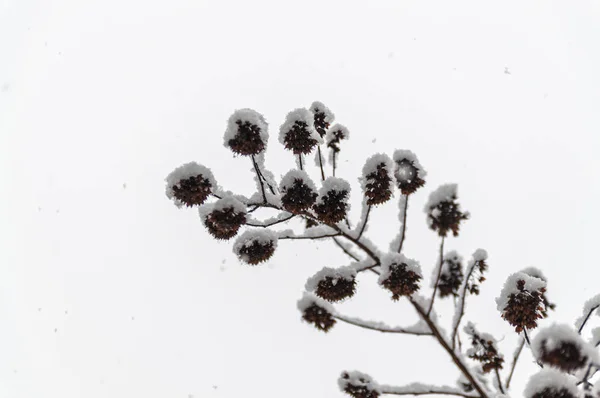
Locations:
451 277
298 191
560 346
358 385
335 135
247 132
297 132
332 204
484 349
400 275
317 312
254 247
409 173
190 184
443 212
551 383
520 301
323 117
479 266
224 219
333 284
537 273
376 180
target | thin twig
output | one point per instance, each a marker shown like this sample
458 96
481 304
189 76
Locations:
383 329
439 274
300 161
587 317
419 389
499 381
258 175
321 163
333 161
442 341
514 364
266 225
308 237
403 222
350 254
362 228
531 349
463 296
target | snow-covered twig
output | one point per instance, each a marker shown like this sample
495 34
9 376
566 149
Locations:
404 208
424 389
479 256
364 223
515 360
425 316
282 217
417 330
439 274
345 249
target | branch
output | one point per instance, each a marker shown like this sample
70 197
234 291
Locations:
333 158
300 161
460 310
587 317
298 237
321 163
438 276
416 330
499 381
345 250
260 179
455 358
358 243
403 230
423 389
515 360
271 221
531 349
366 220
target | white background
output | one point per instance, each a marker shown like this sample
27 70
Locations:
107 290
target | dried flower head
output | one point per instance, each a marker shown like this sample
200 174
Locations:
323 117
537 273
224 218
451 276
409 173
479 265
377 180
335 135
297 132
560 346
483 349
551 383
520 301
332 205
298 191
400 275
358 385
247 132
443 211
254 247
333 284
317 312
190 184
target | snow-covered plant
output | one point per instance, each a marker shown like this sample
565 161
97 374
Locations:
568 362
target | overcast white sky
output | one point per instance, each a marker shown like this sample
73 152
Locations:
107 290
